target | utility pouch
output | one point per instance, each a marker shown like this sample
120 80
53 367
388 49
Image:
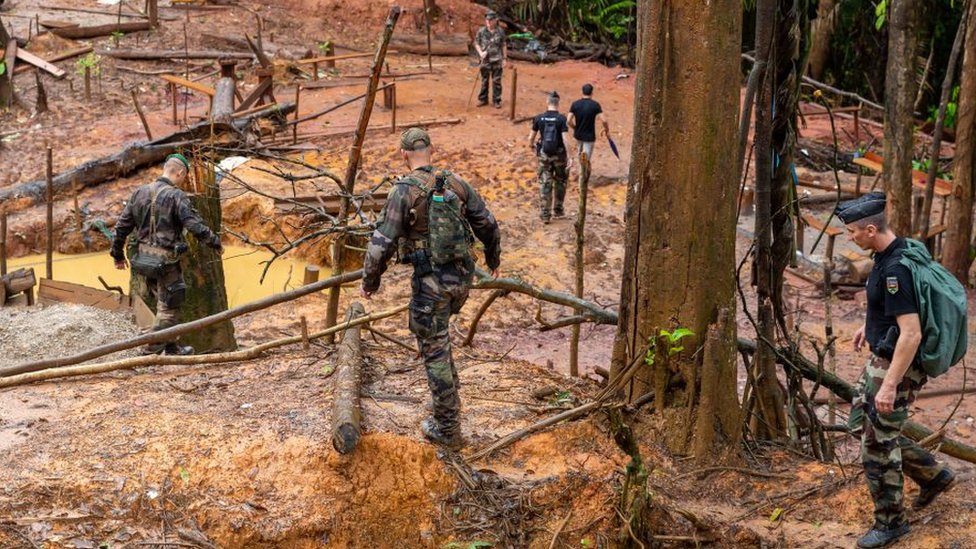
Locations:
421 263
886 347
151 261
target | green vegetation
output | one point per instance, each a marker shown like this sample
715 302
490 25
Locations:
92 61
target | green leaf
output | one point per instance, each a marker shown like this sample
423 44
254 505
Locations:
585 542
184 475
776 514
3 68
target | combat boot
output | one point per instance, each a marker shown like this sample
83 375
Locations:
173 349
433 432
879 536
926 493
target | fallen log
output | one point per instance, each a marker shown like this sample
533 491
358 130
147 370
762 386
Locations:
283 52
844 390
135 157
80 33
167 55
450 45
346 414
170 334
173 360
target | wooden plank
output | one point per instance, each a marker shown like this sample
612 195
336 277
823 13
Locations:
29 57
195 86
337 57
59 57
815 223
872 162
869 164
144 315
59 291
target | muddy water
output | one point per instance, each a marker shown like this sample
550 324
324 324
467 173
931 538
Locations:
242 270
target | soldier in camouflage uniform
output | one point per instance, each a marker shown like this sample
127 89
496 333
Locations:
493 55
553 165
163 201
891 379
438 290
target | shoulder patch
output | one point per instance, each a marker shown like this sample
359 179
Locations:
891 283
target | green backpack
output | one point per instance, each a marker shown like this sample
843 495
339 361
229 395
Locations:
942 310
449 236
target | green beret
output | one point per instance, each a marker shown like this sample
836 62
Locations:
181 158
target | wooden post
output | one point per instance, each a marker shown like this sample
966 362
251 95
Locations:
311 274
346 414
315 70
222 101
857 131
152 9
87 83
3 243
387 96
50 215
427 16
330 52
584 179
142 116
352 167
74 197
393 124
294 129
305 343
511 102
172 92
828 269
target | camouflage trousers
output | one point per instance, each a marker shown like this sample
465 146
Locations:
886 454
494 72
553 176
169 292
436 296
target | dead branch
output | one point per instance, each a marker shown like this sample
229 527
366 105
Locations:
192 360
346 414
481 311
590 311
167 55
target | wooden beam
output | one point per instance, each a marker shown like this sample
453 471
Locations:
195 86
158 55
76 33
337 57
59 57
29 57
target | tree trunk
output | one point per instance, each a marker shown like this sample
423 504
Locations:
204 274
959 219
823 31
679 265
900 89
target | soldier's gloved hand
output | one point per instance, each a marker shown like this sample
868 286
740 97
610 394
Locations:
366 295
217 245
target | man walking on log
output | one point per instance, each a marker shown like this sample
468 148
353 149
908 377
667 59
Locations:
584 114
428 220
891 379
157 214
551 149
493 55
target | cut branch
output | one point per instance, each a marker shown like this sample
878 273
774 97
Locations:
346 414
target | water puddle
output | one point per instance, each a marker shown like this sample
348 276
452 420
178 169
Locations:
242 272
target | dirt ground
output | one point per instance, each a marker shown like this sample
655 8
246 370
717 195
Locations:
239 455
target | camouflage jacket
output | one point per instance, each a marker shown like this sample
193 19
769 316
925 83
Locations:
404 216
491 42
174 212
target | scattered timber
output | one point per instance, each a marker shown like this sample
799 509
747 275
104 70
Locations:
283 52
138 156
59 57
80 33
29 57
346 414
168 55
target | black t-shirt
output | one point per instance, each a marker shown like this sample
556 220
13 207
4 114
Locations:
585 111
890 293
540 121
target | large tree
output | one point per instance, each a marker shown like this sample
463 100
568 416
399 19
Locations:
899 123
959 219
680 239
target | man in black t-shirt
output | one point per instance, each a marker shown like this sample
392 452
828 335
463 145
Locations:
891 379
583 116
554 164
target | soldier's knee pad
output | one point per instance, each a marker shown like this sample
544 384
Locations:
175 295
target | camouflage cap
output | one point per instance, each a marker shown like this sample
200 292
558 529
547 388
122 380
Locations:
870 204
491 15
409 139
